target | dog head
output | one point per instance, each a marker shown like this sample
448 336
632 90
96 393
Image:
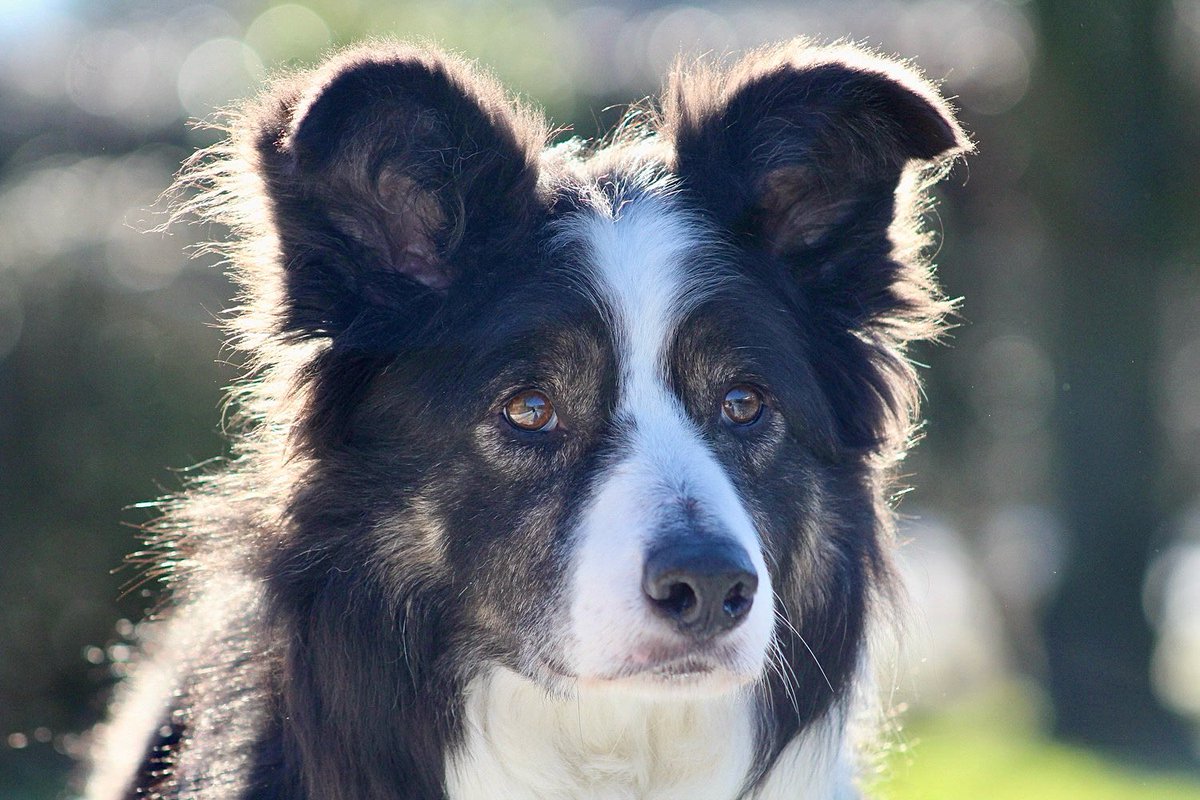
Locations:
609 416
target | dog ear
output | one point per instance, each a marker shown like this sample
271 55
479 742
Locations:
816 158
793 145
393 175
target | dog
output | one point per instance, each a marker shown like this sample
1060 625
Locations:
562 471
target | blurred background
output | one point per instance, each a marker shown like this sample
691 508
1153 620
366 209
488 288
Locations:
1053 537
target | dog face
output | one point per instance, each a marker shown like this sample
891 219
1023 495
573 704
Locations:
667 579
611 418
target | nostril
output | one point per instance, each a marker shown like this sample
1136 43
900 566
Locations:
738 601
679 601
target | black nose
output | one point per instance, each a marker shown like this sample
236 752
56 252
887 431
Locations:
703 588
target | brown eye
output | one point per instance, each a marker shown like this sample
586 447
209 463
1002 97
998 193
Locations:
530 410
742 405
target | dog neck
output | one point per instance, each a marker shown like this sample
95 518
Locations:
522 743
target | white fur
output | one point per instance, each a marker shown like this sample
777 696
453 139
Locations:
122 741
646 272
522 743
233 721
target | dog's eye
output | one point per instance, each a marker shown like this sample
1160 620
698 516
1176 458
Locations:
531 410
742 405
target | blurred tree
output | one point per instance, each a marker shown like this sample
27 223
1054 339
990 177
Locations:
1103 139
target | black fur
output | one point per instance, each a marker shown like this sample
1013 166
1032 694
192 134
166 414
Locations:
379 536
800 155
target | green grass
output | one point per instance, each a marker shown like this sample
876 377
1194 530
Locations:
994 750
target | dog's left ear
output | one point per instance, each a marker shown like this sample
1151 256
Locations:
795 146
813 160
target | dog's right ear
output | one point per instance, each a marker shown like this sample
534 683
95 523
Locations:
393 174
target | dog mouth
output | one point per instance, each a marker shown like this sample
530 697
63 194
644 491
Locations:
659 667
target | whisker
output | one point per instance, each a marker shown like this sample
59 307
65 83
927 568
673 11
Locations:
787 677
794 679
780 616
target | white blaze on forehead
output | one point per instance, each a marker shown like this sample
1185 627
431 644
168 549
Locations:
649 263
640 258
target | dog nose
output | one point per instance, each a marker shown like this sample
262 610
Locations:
702 588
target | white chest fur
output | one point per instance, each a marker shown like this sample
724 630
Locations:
522 744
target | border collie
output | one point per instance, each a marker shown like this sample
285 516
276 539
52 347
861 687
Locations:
563 472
